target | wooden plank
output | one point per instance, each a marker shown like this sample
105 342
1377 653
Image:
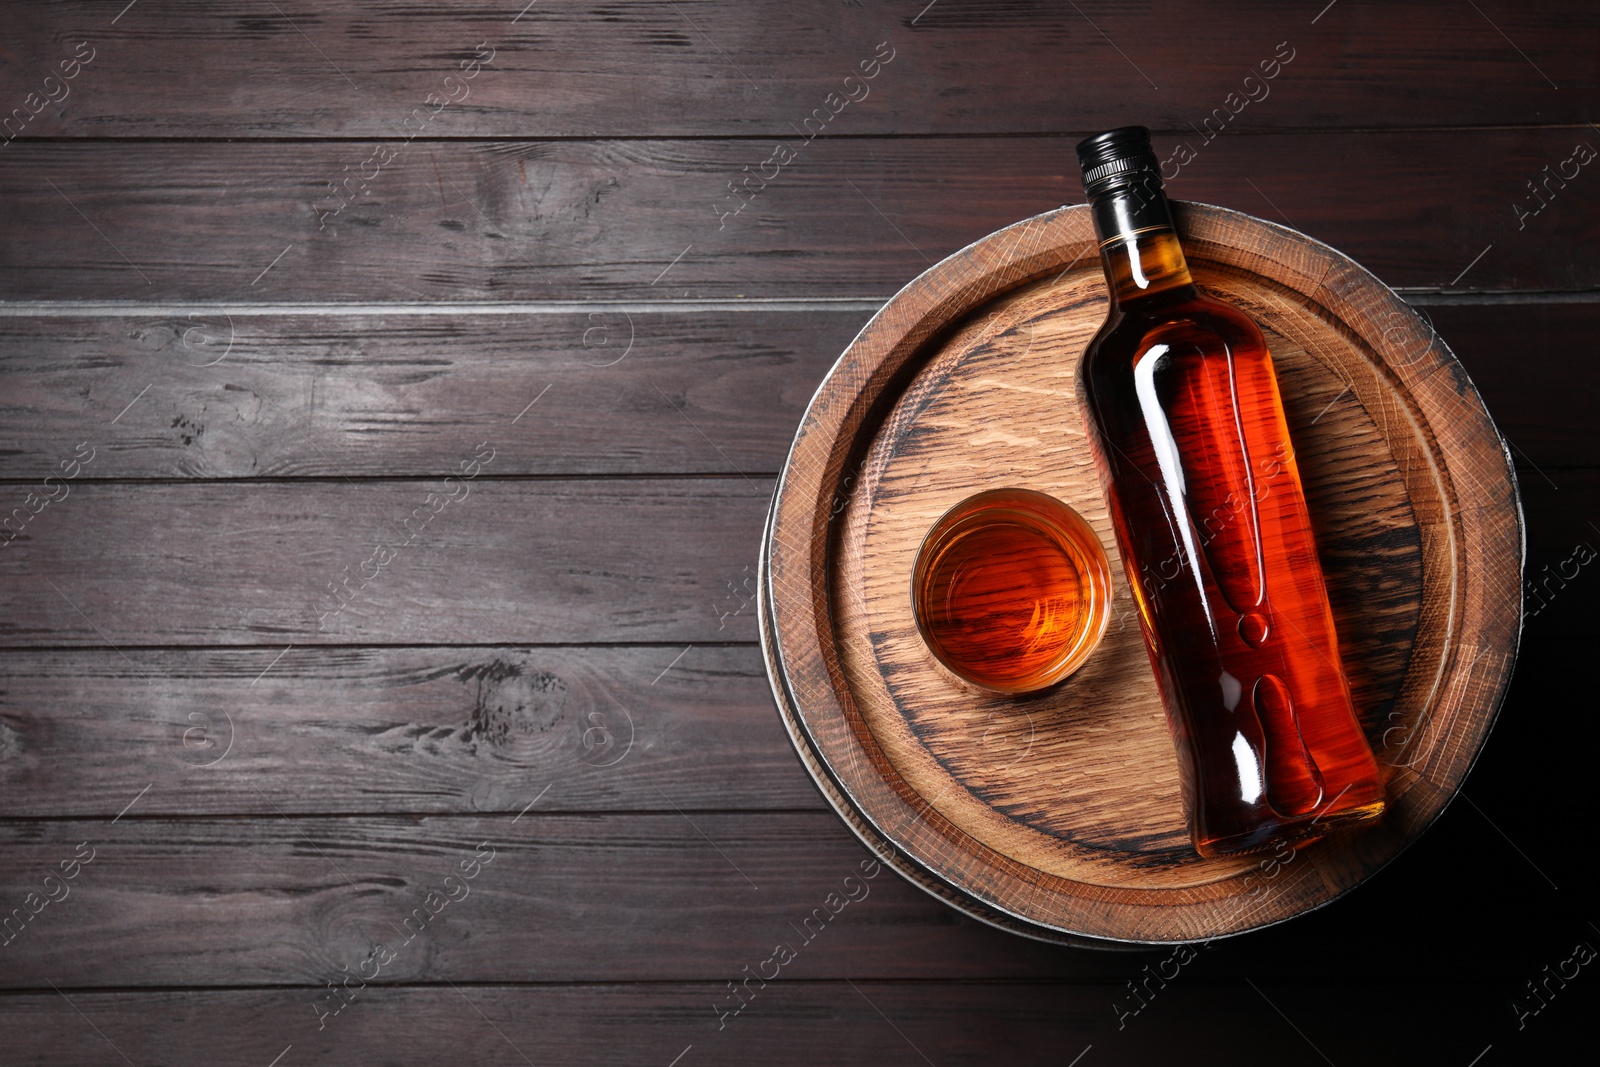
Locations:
276 900
567 69
617 392
393 730
1535 370
290 900
467 220
375 394
1534 366
507 562
818 1024
437 731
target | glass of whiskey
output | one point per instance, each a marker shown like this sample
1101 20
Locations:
1011 590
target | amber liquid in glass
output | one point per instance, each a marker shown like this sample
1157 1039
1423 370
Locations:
1191 442
1012 590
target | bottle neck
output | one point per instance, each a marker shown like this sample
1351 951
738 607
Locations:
1138 244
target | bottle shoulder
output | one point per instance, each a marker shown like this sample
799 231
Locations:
1136 325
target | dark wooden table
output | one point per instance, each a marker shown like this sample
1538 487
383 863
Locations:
391 398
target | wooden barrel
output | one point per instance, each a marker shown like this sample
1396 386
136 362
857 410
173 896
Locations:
1059 815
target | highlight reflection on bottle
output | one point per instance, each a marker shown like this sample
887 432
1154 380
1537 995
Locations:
1183 411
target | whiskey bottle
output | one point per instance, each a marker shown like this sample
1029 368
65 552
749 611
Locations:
1184 415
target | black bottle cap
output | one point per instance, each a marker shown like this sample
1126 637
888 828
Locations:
1122 179
1117 159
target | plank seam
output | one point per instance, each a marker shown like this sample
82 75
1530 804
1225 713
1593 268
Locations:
765 136
25 309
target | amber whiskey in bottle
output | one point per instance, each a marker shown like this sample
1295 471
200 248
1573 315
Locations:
1184 415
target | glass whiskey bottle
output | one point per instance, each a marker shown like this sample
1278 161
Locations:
1184 415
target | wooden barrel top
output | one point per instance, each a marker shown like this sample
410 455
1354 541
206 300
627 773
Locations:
1059 815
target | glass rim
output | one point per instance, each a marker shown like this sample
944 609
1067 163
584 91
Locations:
1079 543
